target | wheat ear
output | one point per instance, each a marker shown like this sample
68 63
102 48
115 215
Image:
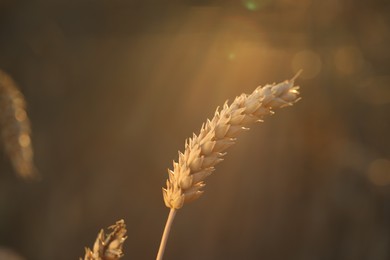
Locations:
108 247
204 151
15 127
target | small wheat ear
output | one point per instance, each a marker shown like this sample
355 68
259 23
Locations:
108 247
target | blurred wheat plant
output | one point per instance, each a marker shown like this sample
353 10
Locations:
108 247
15 128
202 152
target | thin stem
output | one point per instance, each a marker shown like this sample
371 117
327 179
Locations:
165 235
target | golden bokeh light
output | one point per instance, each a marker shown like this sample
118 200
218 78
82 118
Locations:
379 172
348 60
375 90
309 61
254 5
24 140
20 114
231 56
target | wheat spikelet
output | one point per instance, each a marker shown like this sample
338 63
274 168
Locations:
108 247
204 151
15 127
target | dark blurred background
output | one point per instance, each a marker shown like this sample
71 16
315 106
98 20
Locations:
114 87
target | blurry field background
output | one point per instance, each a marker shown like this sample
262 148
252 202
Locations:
114 87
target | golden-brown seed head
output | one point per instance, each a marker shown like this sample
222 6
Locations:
204 151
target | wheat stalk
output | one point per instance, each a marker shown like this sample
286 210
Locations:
15 127
108 247
202 152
